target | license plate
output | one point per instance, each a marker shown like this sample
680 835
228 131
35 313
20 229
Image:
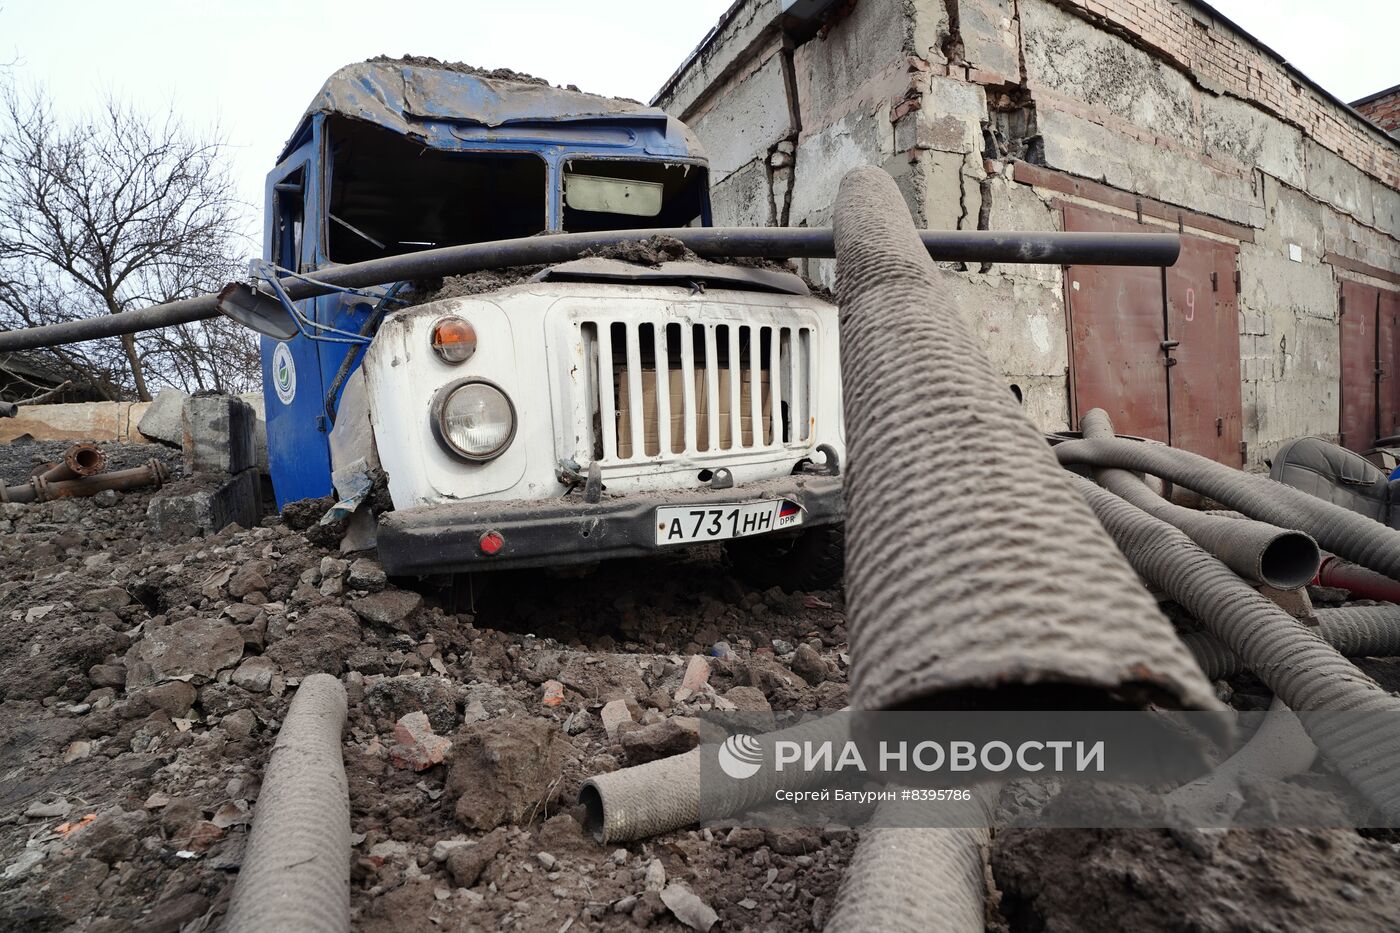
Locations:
685 524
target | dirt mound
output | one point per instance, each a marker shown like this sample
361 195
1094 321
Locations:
655 250
1085 881
473 283
652 251
142 681
427 61
493 74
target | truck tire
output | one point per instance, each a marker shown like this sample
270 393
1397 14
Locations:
814 559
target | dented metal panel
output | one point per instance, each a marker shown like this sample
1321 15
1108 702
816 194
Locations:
439 105
1203 338
1115 324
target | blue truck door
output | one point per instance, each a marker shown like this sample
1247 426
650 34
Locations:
298 454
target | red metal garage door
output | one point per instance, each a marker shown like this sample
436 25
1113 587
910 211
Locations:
1363 388
1203 386
1115 325
1159 352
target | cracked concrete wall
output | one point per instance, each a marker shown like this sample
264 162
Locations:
747 126
1153 98
1289 361
843 82
745 28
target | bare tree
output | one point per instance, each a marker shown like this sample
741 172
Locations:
112 212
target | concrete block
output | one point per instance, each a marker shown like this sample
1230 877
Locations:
260 429
989 36
1271 282
743 199
1082 147
1296 222
1333 180
162 420
217 434
753 117
861 63
951 117
1238 131
1385 206
824 158
747 25
952 200
1071 56
206 503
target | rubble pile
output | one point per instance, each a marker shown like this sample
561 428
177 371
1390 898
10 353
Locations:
144 675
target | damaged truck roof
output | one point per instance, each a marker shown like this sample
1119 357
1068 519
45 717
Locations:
444 105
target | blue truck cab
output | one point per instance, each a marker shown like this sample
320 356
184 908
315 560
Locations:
394 156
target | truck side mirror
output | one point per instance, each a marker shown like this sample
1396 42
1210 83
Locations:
252 308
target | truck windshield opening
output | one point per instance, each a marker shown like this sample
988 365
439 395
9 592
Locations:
614 194
390 195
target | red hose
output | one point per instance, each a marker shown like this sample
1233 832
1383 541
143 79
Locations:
1363 583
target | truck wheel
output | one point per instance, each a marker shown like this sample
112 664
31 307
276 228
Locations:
812 560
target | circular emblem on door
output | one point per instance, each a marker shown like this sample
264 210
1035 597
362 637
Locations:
284 374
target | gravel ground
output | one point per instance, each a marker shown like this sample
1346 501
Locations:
142 682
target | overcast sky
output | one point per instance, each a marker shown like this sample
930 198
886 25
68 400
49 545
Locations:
252 66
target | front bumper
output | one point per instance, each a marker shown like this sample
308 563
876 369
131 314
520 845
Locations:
557 532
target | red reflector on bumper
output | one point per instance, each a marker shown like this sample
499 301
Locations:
492 542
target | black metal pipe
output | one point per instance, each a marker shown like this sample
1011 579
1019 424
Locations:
1105 249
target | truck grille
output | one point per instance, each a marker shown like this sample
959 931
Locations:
661 390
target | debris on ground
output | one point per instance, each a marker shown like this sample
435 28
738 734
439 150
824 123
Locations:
143 677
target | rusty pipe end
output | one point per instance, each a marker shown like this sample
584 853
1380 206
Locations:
85 459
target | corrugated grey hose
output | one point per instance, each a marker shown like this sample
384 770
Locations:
1355 631
976 577
1353 720
296 870
913 879
659 796
1256 551
1341 531
1278 750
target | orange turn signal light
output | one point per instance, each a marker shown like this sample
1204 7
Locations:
454 339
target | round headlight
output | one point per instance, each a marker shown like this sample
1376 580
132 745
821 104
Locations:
454 339
474 420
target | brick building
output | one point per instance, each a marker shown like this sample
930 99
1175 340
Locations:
1091 115
1381 108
